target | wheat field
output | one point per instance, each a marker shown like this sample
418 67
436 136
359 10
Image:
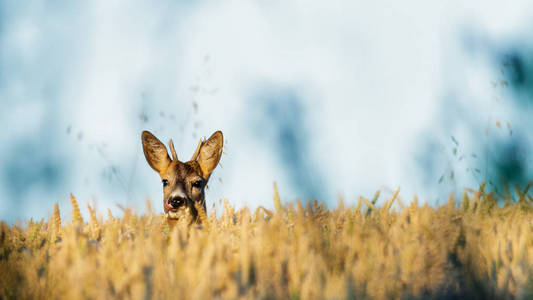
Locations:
478 247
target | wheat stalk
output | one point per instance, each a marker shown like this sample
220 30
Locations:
57 220
93 223
277 201
76 215
110 215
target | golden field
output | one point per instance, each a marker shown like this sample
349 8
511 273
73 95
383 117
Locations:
478 247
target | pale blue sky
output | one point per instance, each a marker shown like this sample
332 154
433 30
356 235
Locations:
323 97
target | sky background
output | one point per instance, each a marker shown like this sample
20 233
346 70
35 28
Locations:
325 98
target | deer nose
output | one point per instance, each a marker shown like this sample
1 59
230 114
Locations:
176 202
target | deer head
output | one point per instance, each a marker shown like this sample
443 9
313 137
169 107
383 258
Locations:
183 182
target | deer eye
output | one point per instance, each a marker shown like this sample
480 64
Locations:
165 182
197 184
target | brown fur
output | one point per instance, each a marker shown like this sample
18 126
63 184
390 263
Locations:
187 179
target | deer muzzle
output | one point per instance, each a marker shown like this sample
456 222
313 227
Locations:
177 202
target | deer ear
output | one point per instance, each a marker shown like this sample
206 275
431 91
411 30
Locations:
209 154
155 152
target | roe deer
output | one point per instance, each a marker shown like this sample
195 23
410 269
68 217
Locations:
183 182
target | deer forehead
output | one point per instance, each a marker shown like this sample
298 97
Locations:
179 171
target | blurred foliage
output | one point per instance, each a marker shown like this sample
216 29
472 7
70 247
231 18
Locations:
496 141
516 67
281 120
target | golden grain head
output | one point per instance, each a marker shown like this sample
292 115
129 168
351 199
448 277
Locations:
76 214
